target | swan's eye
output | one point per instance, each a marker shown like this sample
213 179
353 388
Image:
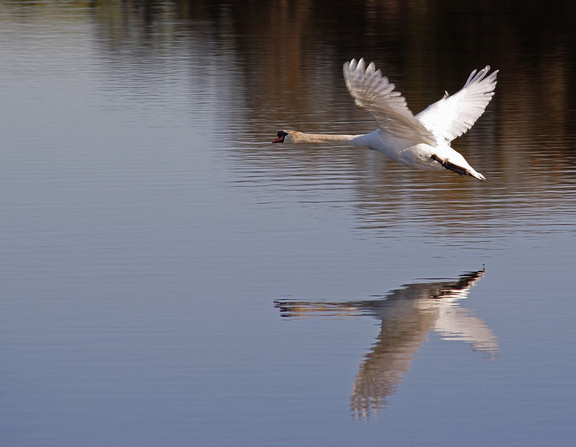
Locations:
280 133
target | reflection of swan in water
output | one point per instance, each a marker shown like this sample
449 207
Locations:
407 315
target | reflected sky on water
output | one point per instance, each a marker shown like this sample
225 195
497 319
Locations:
148 226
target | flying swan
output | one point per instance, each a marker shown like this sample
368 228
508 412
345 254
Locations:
421 141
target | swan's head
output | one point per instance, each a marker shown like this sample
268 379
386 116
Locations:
283 136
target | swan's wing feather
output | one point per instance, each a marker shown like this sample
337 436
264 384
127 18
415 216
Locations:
454 115
457 323
376 94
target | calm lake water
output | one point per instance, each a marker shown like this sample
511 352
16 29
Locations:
170 278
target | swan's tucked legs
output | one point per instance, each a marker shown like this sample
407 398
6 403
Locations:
450 166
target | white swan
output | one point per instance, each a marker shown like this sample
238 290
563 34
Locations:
421 141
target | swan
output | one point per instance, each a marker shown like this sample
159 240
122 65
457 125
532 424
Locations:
421 141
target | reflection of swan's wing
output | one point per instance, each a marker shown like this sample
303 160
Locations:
453 115
376 94
456 323
379 376
389 360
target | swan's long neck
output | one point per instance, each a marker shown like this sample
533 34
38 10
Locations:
301 137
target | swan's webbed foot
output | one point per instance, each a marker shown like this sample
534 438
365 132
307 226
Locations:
450 166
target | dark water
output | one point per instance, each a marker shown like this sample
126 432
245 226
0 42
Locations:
169 277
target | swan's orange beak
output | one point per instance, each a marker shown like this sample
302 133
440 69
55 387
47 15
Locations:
281 136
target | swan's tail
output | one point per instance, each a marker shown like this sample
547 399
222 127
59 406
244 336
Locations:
477 175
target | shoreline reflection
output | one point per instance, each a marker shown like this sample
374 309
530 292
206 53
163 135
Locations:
408 314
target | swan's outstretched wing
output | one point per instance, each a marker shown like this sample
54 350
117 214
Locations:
457 323
376 94
453 115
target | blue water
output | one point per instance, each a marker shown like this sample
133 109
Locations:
169 277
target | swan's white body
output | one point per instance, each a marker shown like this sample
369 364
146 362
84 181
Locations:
422 140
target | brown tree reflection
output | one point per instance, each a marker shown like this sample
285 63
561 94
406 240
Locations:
408 315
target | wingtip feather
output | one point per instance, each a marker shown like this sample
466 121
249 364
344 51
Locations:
479 76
